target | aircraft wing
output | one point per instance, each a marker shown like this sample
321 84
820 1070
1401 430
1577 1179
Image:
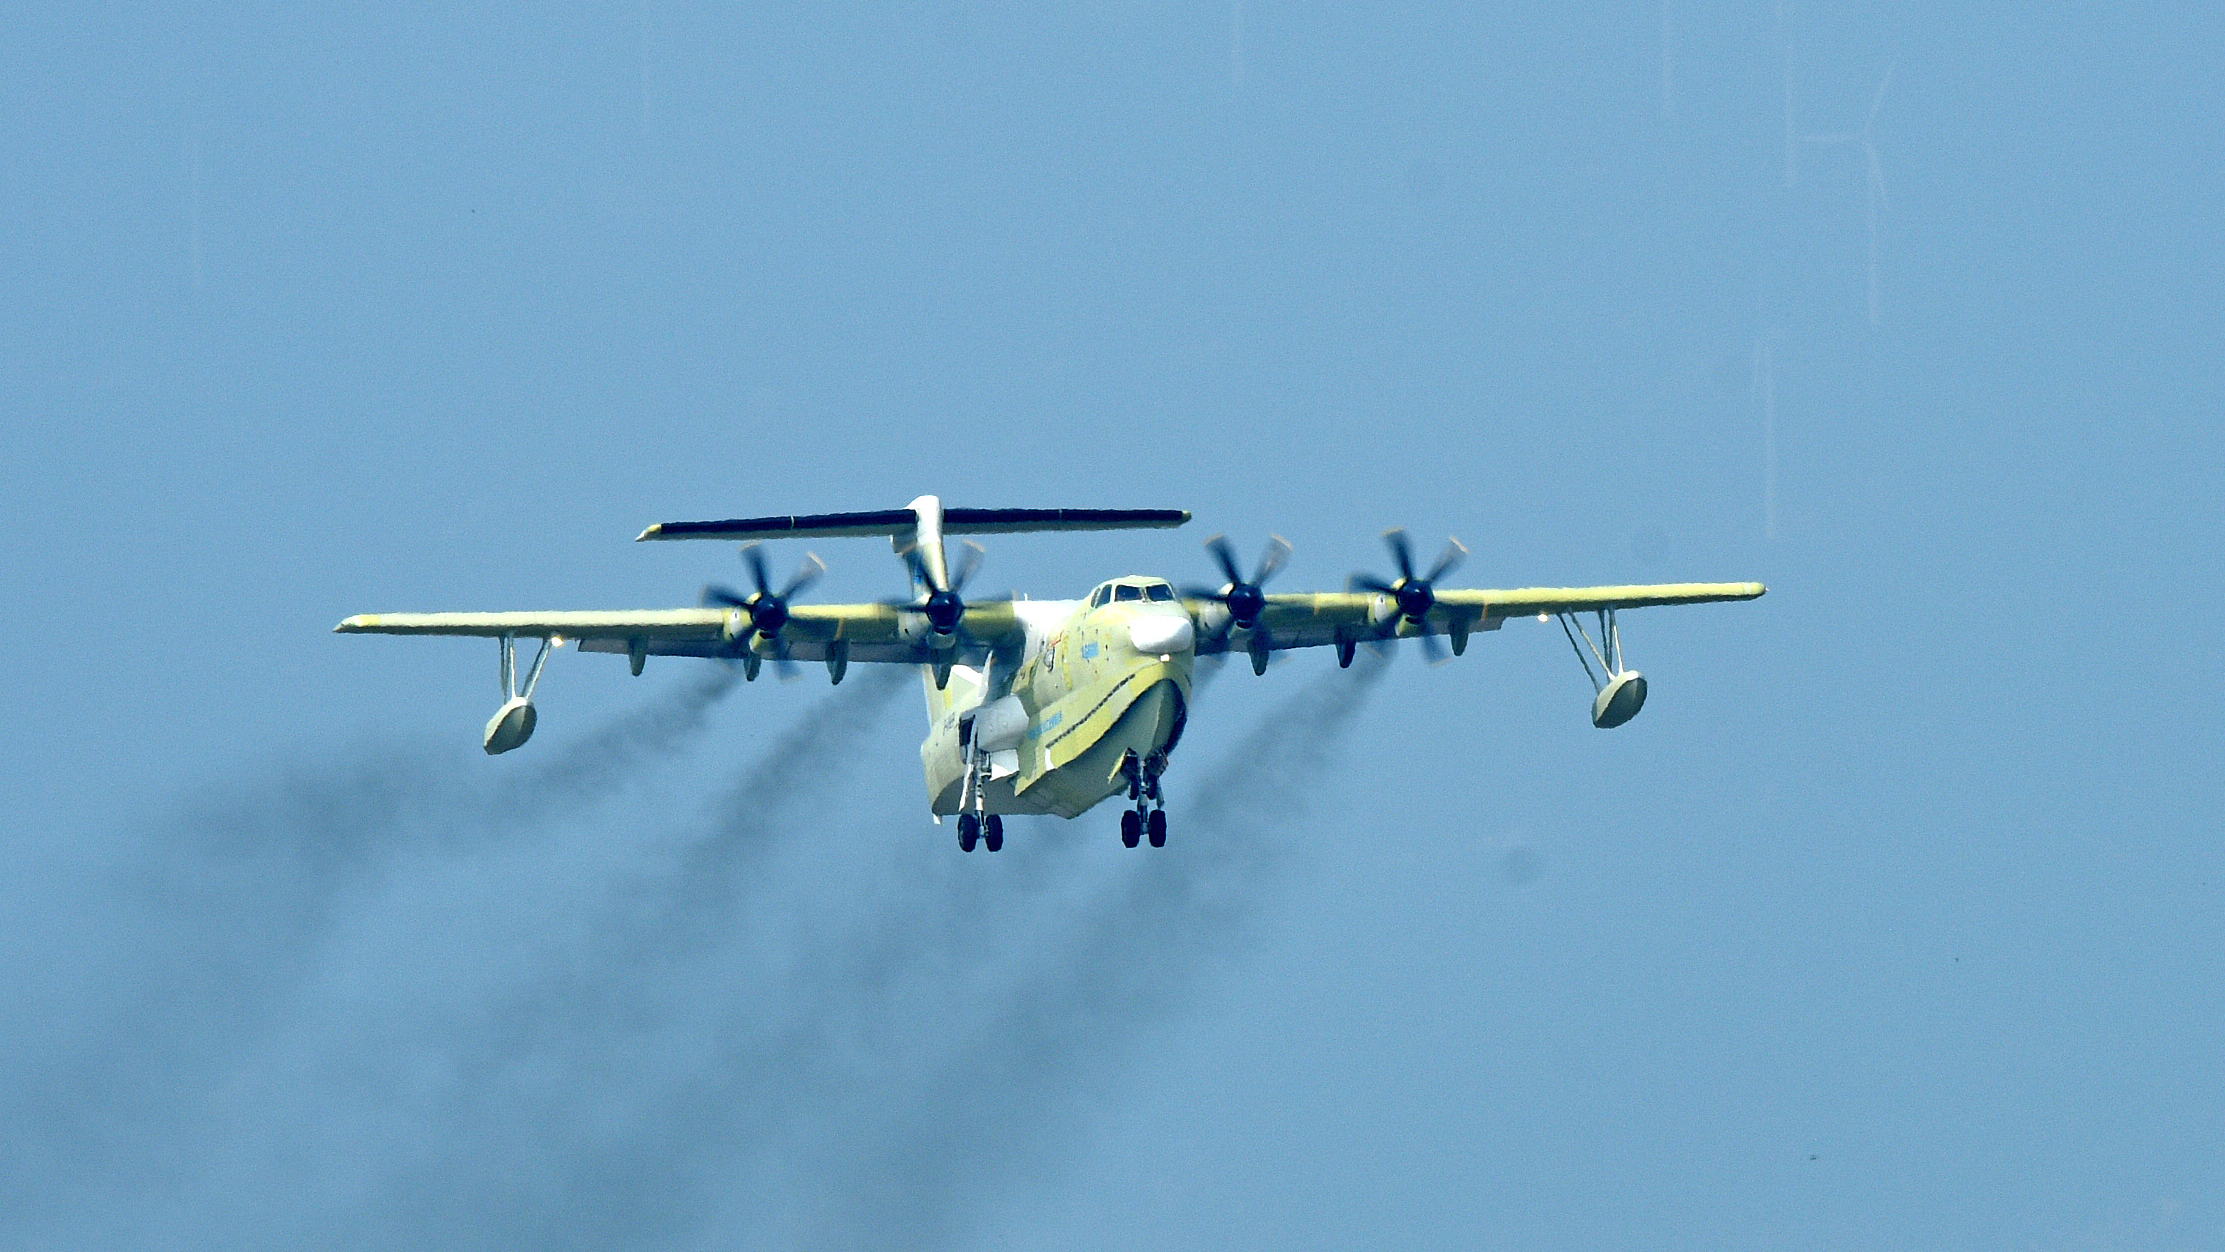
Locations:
873 632
1309 620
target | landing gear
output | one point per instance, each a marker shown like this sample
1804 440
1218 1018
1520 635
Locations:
1149 814
974 819
1144 820
988 831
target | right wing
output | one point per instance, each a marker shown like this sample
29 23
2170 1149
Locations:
1307 620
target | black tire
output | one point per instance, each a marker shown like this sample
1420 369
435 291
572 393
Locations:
1158 827
1131 827
969 829
992 833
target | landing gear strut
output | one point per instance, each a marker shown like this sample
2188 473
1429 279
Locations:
1148 816
974 819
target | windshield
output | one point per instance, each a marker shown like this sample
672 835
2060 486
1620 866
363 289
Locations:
1158 591
1127 593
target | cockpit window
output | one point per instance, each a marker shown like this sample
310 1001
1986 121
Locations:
1125 592
1098 597
1158 591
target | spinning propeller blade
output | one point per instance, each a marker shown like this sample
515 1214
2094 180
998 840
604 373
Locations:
968 566
767 609
1241 596
940 601
1414 594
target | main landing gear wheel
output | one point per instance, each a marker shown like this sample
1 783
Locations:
1131 828
969 829
992 833
1157 824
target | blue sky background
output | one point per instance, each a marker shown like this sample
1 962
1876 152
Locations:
1894 921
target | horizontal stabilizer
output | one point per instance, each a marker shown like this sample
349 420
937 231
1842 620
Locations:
901 522
650 623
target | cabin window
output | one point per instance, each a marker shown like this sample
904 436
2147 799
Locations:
1127 593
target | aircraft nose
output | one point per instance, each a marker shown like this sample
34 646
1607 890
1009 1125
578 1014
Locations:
1162 633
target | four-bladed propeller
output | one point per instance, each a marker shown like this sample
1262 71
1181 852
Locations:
767 609
942 604
1414 594
1242 596
940 601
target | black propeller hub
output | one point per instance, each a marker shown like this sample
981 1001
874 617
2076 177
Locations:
1415 597
1242 596
767 609
768 613
1245 603
1415 594
944 610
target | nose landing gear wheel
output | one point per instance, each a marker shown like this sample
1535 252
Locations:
1157 823
969 829
1131 828
992 833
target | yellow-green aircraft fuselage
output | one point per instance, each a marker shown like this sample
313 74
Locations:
1095 707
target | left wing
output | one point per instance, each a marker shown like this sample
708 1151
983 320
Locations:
1311 620
870 632
835 633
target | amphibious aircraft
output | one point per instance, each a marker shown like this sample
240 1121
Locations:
1049 706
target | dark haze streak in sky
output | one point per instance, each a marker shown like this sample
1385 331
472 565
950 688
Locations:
200 932
1052 994
410 1012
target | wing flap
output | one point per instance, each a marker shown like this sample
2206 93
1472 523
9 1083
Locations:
800 648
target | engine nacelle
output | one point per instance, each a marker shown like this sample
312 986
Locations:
1619 700
511 726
